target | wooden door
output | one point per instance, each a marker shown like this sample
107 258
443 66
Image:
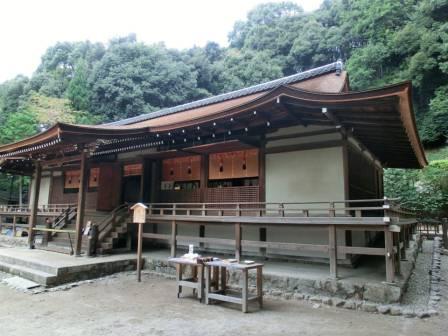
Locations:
109 187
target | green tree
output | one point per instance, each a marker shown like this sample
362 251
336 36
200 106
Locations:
78 91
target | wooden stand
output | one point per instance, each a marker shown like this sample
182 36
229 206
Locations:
196 281
226 295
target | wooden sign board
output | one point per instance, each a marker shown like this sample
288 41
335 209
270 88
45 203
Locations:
139 213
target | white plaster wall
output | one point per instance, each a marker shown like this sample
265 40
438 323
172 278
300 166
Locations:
304 176
44 190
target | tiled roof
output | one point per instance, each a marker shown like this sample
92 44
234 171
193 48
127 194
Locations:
336 66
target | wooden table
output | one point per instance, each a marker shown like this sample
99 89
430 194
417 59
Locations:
196 281
224 294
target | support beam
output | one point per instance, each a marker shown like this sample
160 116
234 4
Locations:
238 241
332 247
34 204
83 181
173 238
389 247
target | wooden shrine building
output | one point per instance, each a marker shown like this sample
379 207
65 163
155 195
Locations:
292 167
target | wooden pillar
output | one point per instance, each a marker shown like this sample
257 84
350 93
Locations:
34 204
396 242
238 241
201 235
262 232
203 185
389 255
143 178
139 251
402 241
83 181
204 177
173 238
333 253
20 190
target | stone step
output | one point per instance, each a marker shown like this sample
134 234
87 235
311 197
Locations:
8 259
106 246
41 277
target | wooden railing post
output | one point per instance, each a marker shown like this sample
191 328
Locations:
238 241
281 210
173 239
14 229
332 210
333 254
389 255
203 209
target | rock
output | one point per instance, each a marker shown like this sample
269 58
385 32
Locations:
316 305
287 296
349 304
337 302
433 312
408 312
327 301
298 296
369 307
276 292
422 314
316 299
383 309
395 310
382 293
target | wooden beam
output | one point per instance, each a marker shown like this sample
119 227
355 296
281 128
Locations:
238 241
388 243
83 183
332 247
34 204
306 146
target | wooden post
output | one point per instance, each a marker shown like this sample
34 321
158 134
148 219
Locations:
238 241
402 240
262 232
14 223
20 190
34 204
263 235
83 180
204 177
260 285
245 294
396 242
173 238
389 255
139 252
201 235
332 247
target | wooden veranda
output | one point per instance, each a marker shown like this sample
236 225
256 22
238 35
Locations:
379 215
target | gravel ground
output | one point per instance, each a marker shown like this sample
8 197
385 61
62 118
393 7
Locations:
417 294
121 306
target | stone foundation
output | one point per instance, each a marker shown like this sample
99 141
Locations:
320 288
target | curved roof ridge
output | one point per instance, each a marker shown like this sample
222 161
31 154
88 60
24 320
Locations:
335 66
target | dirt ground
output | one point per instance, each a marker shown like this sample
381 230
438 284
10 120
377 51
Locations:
121 306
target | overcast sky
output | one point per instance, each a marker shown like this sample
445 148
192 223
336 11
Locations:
29 27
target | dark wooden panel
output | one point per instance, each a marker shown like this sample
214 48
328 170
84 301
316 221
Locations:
109 187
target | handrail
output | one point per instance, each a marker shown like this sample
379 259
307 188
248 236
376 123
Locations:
385 208
107 224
